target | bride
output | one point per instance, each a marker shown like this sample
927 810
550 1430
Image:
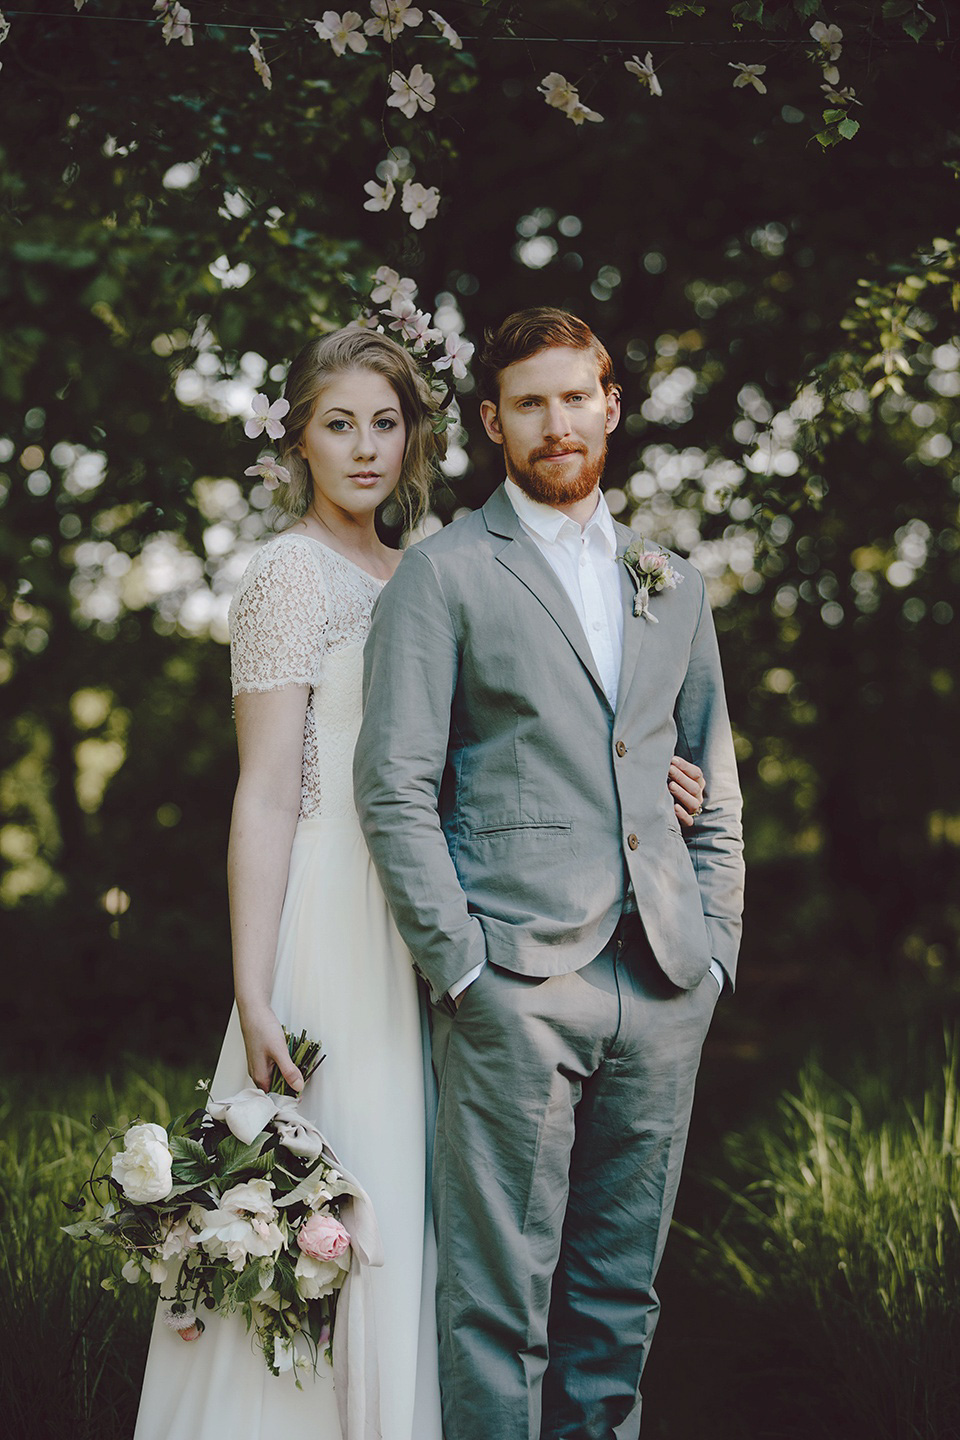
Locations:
314 945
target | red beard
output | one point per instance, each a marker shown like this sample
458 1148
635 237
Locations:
548 483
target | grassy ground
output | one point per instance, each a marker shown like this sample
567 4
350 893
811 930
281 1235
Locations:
71 1356
822 1299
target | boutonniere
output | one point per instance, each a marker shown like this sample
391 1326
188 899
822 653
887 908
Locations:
651 572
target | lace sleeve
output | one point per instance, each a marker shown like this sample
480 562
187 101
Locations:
278 620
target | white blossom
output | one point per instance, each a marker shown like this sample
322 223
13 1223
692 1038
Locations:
244 1225
558 92
260 61
578 112
341 31
644 71
447 31
828 37
390 16
412 92
143 1167
381 196
749 75
388 286
4 27
415 326
420 202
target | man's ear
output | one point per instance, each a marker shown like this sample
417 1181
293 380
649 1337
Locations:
613 409
490 416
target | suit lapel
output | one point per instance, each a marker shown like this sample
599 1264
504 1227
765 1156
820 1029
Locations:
523 559
634 626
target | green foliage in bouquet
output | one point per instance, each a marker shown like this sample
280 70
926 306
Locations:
235 1207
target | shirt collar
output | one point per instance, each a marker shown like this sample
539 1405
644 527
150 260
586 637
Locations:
547 522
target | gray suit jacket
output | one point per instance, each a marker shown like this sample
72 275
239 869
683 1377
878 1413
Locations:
504 803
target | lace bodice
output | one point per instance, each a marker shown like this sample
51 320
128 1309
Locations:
300 616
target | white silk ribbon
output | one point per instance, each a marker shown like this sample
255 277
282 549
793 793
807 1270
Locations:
356 1373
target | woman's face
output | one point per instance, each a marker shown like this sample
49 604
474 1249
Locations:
354 442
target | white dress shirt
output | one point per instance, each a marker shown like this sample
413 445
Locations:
584 560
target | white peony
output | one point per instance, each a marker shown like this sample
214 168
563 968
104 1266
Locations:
244 1225
143 1169
316 1278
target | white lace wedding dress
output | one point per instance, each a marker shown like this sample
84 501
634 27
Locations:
301 616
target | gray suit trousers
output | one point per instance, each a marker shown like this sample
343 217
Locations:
564 1109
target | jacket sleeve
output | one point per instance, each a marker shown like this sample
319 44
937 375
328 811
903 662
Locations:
716 844
411 665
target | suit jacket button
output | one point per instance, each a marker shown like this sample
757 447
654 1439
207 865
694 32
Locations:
620 748
632 841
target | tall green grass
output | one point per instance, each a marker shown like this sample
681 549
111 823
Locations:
842 1243
71 1355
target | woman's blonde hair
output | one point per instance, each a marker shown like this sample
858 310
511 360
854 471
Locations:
358 349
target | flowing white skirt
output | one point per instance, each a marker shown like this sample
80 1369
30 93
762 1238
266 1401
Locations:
342 974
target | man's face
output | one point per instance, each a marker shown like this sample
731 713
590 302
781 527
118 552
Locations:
553 420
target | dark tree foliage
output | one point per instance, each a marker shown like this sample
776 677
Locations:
731 248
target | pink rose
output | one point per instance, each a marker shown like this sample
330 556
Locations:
323 1238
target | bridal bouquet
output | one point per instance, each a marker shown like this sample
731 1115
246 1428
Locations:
239 1206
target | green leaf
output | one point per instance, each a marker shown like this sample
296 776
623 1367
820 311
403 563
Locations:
235 1157
848 128
184 1147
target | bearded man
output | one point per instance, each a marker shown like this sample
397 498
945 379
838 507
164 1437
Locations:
529 676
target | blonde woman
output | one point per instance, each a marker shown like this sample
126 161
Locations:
313 943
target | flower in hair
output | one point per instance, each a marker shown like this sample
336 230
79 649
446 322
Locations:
269 472
266 417
457 354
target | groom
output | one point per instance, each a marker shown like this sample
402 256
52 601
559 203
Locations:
519 720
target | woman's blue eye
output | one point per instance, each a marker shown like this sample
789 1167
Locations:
387 424
337 425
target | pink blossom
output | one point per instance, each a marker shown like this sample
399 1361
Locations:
266 417
388 285
457 355
323 1238
176 21
270 473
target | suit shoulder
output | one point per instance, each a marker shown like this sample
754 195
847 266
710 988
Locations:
460 536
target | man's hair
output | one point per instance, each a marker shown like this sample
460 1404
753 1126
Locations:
526 333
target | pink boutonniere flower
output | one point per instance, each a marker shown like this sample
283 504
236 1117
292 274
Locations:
651 572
